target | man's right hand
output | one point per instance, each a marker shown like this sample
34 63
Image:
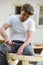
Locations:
9 43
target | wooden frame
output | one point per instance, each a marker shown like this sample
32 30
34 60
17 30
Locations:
14 8
40 16
38 49
13 59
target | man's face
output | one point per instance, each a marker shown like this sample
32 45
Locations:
24 16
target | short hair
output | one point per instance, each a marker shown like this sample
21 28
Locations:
28 9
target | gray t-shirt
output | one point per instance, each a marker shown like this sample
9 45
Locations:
18 29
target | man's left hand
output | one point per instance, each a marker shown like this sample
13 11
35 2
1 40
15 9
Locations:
20 51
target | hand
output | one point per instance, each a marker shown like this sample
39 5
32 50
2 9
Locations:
20 51
9 43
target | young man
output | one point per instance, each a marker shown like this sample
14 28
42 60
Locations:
22 29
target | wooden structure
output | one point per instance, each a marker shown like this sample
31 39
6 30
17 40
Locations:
38 48
13 59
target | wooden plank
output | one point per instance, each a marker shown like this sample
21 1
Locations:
23 57
41 53
10 62
25 62
38 47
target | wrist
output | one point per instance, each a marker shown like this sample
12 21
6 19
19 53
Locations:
7 40
22 47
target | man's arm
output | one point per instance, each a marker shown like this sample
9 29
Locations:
28 40
4 35
3 28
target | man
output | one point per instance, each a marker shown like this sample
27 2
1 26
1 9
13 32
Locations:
22 29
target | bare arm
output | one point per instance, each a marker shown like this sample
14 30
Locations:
4 35
28 40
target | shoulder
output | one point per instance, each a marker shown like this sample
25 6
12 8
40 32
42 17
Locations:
31 25
31 21
13 16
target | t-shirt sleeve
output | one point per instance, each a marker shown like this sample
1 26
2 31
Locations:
31 26
9 20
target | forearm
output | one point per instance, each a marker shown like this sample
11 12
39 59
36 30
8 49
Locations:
26 43
6 38
20 50
28 40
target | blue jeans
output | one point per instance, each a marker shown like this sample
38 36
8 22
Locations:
4 48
